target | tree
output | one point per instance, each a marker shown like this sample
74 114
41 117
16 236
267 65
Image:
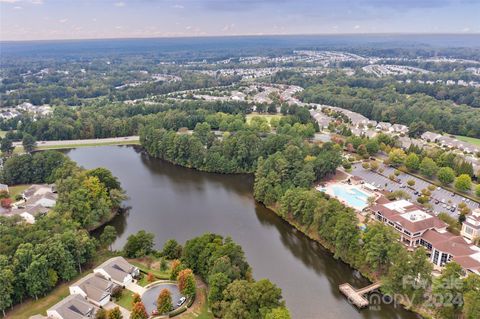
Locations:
164 301
463 183
477 190
29 143
175 268
108 236
448 291
397 157
101 314
186 282
139 244
412 162
411 182
471 308
136 298
138 311
106 177
115 313
6 145
446 175
428 167
172 249
278 313
6 288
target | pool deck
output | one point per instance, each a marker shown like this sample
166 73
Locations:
328 189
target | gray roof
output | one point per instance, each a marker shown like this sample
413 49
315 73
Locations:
95 286
118 268
75 307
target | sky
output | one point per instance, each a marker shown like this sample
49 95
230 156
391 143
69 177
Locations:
91 19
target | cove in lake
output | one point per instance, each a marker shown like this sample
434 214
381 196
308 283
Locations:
175 202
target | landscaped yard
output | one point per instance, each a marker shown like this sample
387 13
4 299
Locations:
471 140
201 311
153 268
126 299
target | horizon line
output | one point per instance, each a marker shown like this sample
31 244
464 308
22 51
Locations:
247 35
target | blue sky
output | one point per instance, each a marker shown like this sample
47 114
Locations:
80 19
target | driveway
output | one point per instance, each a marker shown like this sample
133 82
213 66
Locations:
135 288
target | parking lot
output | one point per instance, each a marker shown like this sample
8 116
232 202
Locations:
442 199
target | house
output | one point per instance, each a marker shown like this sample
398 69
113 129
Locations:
38 199
409 220
430 136
383 126
94 288
471 225
118 270
399 128
72 307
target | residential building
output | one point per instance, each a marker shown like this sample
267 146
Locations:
94 288
383 126
38 199
118 270
430 136
72 307
471 225
399 128
4 188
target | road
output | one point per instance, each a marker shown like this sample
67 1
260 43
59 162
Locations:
73 143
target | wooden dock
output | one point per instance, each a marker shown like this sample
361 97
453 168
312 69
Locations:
356 296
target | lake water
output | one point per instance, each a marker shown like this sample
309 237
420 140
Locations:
180 203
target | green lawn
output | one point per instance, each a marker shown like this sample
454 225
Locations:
471 140
126 299
156 272
269 117
17 189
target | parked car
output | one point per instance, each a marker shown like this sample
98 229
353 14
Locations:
181 301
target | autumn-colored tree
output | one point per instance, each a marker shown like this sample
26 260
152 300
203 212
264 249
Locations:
101 314
176 266
115 313
186 282
164 301
138 311
136 298
6 202
150 277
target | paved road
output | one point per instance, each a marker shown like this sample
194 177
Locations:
443 196
110 140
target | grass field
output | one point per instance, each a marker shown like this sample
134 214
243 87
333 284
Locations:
471 140
269 117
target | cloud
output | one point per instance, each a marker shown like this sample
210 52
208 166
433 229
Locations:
120 4
228 27
25 1
17 8
356 27
178 6
63 20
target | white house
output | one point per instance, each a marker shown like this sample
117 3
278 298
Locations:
118 270
471 225
94 288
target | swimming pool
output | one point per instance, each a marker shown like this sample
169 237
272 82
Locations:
351 195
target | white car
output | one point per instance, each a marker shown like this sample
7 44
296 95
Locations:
181 301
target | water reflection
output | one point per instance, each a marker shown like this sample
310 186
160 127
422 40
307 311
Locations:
175 202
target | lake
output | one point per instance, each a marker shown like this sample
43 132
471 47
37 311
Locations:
181 203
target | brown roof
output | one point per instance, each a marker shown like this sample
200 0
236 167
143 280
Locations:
412 226
468 262
118 268
75 307
449 243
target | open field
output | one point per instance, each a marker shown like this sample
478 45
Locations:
269 117
471 140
